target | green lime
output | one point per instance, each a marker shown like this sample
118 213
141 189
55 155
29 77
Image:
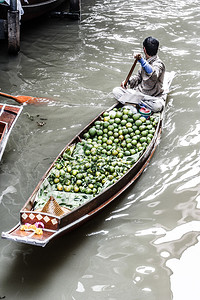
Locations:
132 151
109 142
130 130
134 142
143 119
87 152
142 127
67 188
136 116
58 166
111 121
69 168
125 131
125 111
143 139
99 132
78 182
135 127
106 118
106 124
112 114
114 152
116 140
130 120
105 114
125 117
128 125
129 146
56 180
127 153
117 120
74 172
86 135
110 127
59 187
137 132
149 126
76 189
118 114
67 182
128 140
138 123
144 132
148 140
92 131
150 135
123 122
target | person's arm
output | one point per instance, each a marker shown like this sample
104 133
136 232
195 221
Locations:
146 66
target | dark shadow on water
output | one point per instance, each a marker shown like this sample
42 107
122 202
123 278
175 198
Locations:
35 265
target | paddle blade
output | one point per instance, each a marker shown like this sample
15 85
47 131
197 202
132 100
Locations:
27 99
32 100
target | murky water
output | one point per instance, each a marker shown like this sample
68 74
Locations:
146 244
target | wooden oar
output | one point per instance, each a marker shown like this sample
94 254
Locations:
25 99
130 73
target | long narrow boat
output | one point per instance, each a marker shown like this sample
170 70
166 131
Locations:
36 8
32 9
90 172
8 117
16 14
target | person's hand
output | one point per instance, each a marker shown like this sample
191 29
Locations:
122 85
138 56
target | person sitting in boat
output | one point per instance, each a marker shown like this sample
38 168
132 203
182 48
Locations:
147 86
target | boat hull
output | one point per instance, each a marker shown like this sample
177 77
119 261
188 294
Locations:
8 117
87 212
55 225
33 9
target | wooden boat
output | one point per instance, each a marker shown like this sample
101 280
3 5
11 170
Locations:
36 8
32 9
41 224
8 117
15 14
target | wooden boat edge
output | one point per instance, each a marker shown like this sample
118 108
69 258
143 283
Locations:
19 110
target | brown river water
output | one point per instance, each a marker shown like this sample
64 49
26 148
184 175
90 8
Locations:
146 244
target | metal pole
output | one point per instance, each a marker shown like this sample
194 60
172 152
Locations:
13 5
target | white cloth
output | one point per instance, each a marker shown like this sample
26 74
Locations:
19 7
124 96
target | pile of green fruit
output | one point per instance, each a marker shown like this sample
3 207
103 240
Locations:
106 152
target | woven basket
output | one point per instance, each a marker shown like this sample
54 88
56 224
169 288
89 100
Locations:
52 207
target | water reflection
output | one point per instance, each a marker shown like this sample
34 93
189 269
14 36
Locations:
185 268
